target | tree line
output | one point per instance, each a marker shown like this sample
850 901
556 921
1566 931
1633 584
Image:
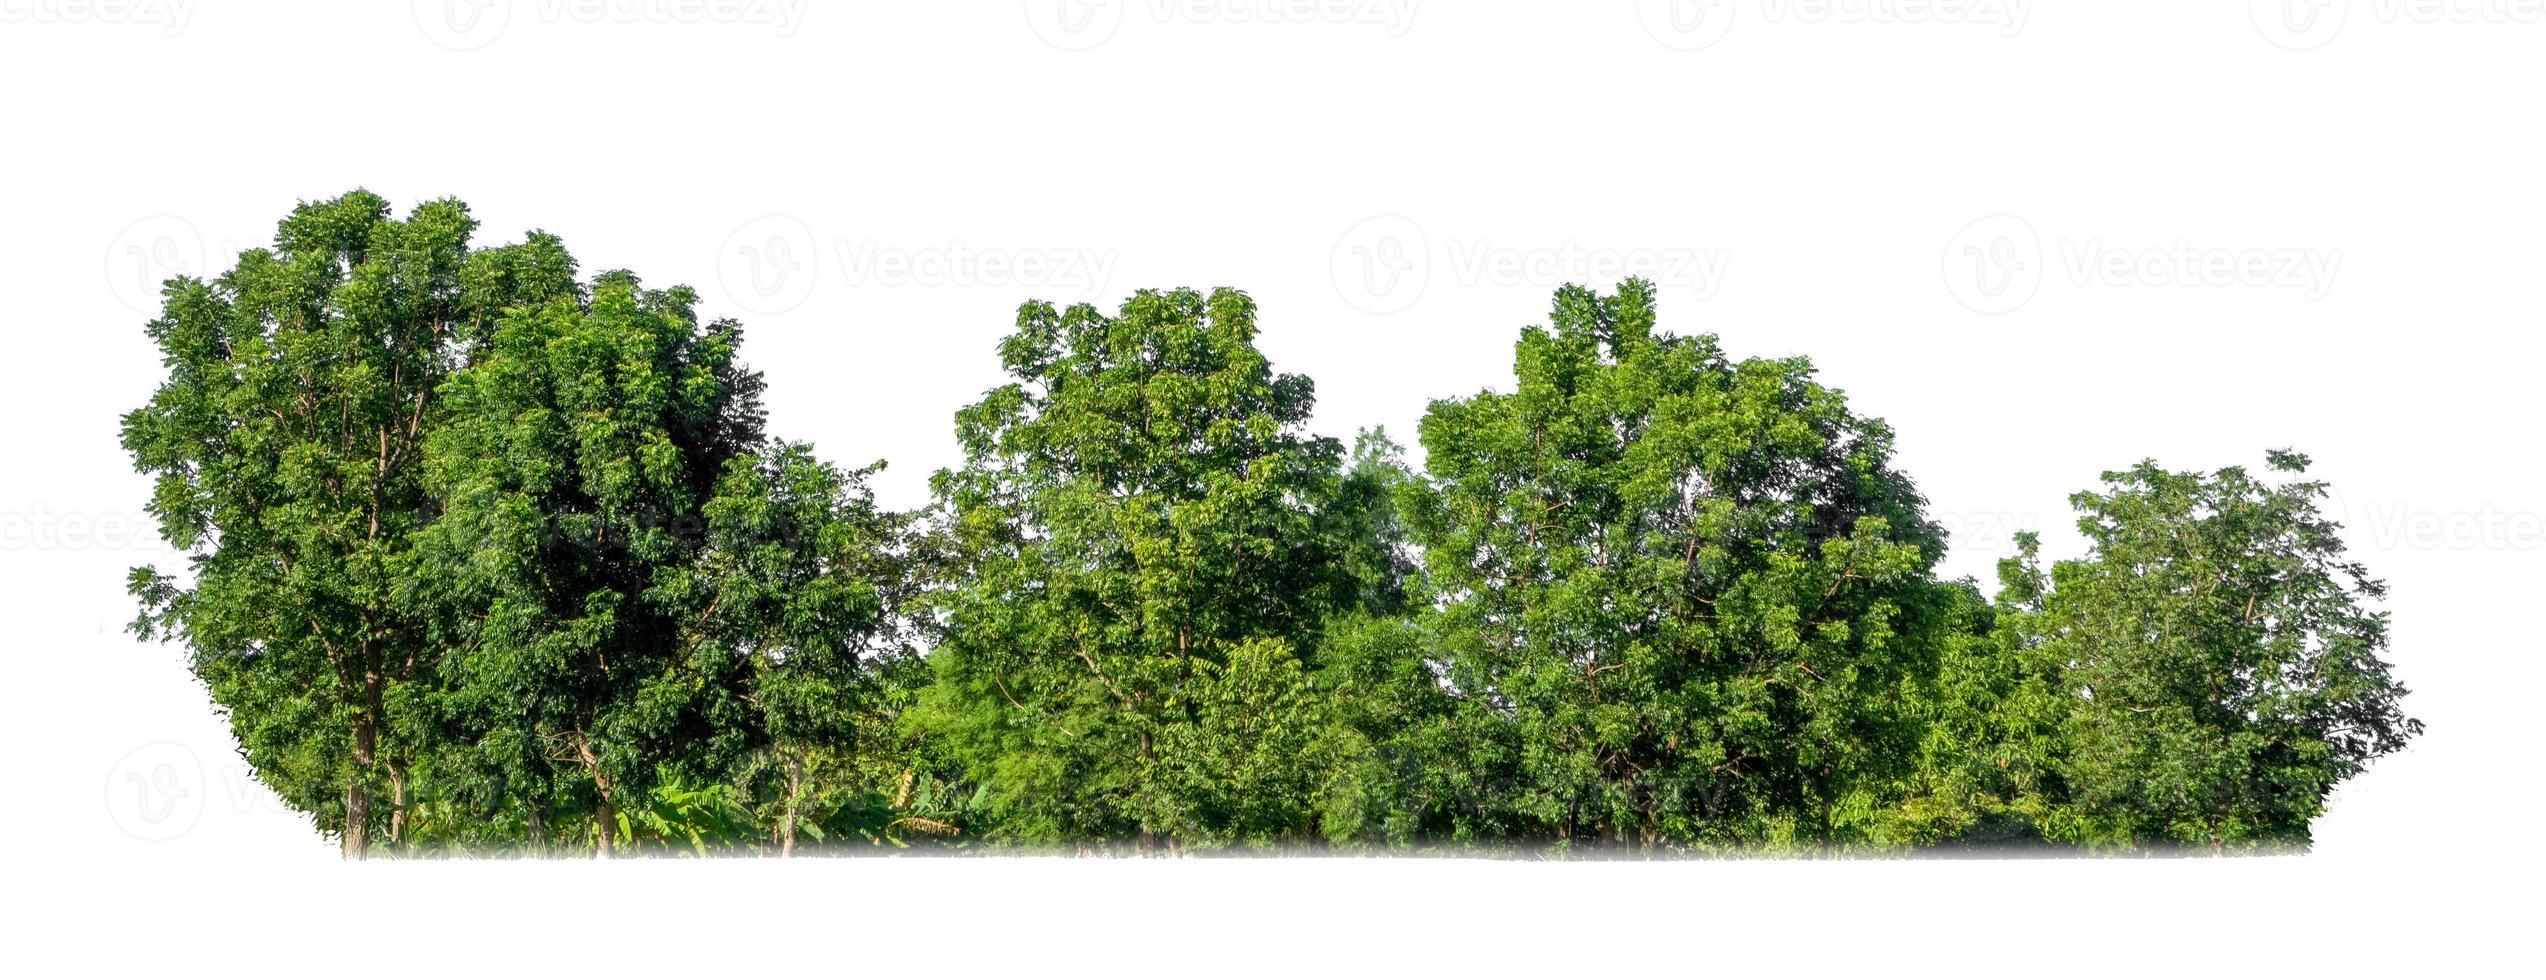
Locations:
487 557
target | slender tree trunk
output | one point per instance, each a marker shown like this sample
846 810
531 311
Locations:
605 846
787 825
1148 836
605 842
397 806
357 835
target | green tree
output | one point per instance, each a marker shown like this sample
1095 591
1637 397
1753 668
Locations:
580 452
809 580
2225 659
482 555
1680 596
1993 749
1144 545
287 444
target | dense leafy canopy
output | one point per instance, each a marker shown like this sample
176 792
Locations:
486 557
1680 596
1144 547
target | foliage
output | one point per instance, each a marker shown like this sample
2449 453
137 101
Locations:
487 558
1678 591
1142 543
287 444
2225 659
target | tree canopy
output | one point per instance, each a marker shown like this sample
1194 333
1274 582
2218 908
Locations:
488 557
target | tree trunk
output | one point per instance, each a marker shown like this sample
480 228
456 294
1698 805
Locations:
604 842
397 806
357 835
604 847
795 793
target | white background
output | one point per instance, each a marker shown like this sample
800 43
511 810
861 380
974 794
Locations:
2325 217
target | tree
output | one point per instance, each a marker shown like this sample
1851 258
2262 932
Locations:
1992 757
287 445
809 578
2225 659
574 470
1144 547
484 556
1680 595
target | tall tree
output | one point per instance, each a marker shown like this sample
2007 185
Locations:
287 445
1140 562
2226 659
1680 595
580 452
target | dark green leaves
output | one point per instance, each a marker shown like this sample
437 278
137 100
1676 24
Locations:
488 558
